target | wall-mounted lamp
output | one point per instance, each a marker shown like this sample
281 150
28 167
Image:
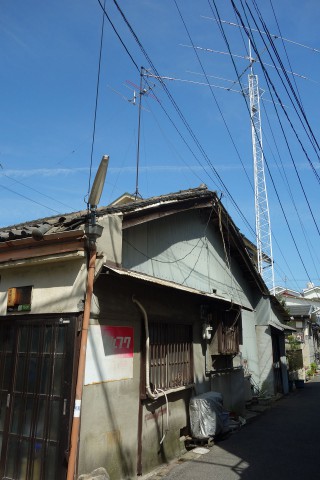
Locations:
93 230
97 187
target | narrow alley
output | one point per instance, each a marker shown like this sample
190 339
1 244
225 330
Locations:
283 443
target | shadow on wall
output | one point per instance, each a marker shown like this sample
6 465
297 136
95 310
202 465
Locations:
122 465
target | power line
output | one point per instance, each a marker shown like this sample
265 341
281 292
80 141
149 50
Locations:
272 180
28 198
37 191
314 141
96 103
285 49
270 83
264 33
180 115
172 101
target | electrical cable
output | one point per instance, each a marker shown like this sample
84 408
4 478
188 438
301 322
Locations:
286 181
269 81
314 141
212 93
30 199
171 144
37 191
289 150
117 34
177 259
96 106
285 49
147 57
274 36
182 118
272 180
170 97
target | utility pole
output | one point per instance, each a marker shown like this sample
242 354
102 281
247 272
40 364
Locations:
263 225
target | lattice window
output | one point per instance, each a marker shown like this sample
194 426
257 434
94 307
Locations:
171 359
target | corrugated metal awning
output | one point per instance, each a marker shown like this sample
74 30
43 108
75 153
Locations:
166 283
281 326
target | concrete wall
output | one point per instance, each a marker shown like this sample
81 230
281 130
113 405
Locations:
109 245
110 409
250 353
266 381
232 386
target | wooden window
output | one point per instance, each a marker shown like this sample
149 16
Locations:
228 332
171 359
19 299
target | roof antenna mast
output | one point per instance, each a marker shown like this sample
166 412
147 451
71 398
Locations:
263 225
141 92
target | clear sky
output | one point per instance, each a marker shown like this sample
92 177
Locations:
49 69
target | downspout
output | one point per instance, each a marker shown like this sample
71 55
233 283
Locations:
150 394
153 395
81 366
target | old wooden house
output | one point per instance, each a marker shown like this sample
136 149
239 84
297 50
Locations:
177 309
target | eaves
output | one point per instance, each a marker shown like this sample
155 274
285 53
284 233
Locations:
52 244
160 210
142 277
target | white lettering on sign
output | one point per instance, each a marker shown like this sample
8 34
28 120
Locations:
121 342
109 354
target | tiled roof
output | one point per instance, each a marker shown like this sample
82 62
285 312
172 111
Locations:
150 208
75 220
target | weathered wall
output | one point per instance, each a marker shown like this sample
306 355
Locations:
59 281
183 248
249 352
57 287
276 315
109 245
231 385
266 383
110 409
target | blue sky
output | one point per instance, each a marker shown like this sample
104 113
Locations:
49 63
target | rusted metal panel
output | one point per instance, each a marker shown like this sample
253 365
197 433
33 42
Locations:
166 283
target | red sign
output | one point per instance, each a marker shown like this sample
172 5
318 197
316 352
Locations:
119 340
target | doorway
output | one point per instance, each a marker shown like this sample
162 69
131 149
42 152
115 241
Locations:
37 358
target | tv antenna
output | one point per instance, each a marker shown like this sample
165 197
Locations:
142 91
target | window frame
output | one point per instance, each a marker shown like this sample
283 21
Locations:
171 363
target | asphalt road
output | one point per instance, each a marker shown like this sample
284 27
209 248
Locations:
283 443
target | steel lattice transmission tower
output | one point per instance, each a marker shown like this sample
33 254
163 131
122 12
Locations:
263 225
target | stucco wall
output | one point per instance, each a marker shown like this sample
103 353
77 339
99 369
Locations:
249 352
110 409
59 281
57 287
266 381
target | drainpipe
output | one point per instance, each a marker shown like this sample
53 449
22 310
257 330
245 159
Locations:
150 394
